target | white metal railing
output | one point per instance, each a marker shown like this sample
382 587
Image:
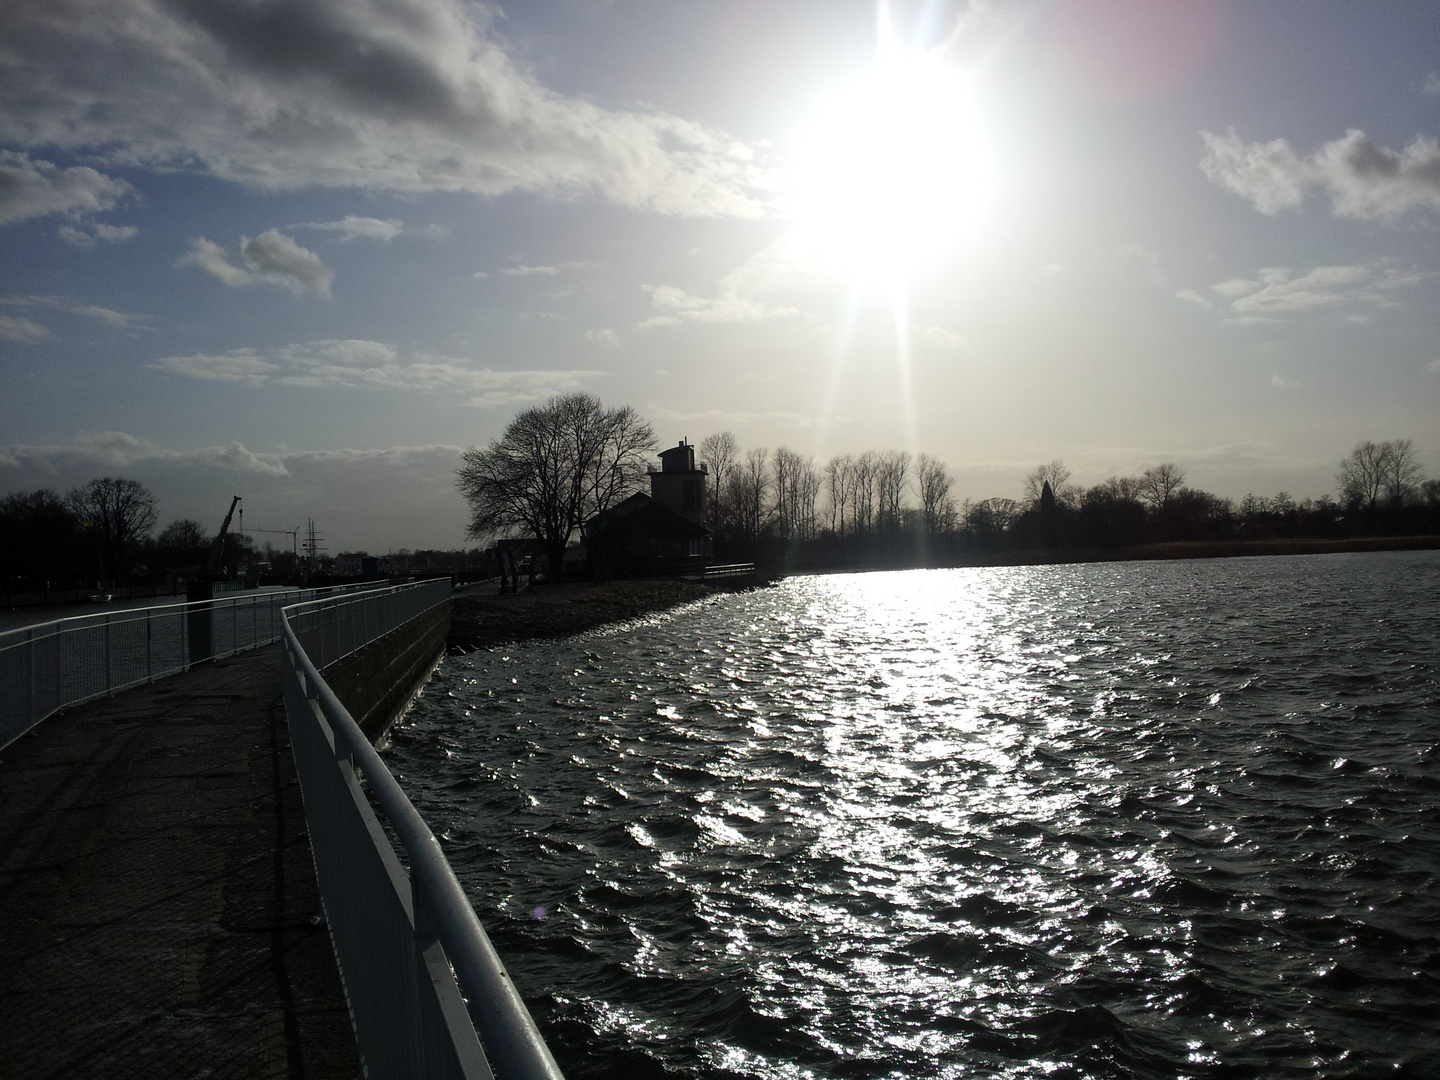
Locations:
428 995
53 665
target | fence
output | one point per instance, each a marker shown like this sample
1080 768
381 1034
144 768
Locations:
53 665
428 995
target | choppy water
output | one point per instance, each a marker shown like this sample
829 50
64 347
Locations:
1165 819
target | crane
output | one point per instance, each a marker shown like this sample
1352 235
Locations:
294 535
216 565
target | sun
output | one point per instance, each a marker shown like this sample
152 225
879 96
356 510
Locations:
891 171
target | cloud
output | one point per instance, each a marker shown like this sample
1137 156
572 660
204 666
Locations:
1279 382
118 319
377 95
1362 180
111 234
946 339
118 450
25 331
1434 365
371 365
1190 296
351 227
606 337
31 188
740 294
1431 86
527 271
1277 292
272 258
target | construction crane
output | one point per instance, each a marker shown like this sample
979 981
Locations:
294 535
216 565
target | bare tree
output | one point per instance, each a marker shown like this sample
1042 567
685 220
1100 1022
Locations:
555 466
1057 476
937 507
1362 475
1159 485
891 470
1402 474
752 485
119 513
862 491
990 517
837 489
1116 489
183 543
721 453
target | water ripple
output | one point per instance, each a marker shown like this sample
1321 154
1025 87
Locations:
1122 820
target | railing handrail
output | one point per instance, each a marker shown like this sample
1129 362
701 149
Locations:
511 1039
120 616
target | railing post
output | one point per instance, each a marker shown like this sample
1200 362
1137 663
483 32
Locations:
107 652
149 666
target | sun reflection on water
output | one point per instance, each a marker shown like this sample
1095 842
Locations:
917 824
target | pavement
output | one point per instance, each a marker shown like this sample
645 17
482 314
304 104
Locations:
159 915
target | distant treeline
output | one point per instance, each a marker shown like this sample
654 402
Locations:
101 535
889 508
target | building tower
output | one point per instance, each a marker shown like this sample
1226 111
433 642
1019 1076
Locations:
678 485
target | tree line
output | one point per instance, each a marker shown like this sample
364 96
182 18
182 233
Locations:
559 464
888 505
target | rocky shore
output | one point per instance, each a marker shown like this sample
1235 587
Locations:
481 617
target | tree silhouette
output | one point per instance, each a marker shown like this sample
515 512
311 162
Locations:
119 513
555 466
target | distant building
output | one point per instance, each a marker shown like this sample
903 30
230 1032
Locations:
350 563
678 485
660 533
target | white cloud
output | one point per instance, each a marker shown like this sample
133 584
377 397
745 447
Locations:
118 319
25 331
740 294
380 95
526 271
1190 296
31 188
1361 179
371 365
606 337
111 234
351 227
946 339
118 450
1431 86
272 258
1277 291
1279 382
1434 365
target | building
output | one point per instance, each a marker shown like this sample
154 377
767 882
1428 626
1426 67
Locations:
660 533
678 484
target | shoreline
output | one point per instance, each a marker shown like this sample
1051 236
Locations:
482 619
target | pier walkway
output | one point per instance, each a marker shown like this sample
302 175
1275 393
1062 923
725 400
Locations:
159 915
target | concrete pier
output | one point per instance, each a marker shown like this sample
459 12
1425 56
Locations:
158 908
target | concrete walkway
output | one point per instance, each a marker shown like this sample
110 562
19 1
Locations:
158 910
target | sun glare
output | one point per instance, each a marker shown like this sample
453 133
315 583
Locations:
890 172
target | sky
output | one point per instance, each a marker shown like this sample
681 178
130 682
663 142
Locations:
307 252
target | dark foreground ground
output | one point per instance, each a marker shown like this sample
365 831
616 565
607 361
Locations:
159 915
481 617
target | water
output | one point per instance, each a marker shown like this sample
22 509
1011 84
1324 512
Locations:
1155 819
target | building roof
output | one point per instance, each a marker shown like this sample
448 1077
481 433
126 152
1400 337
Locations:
640 514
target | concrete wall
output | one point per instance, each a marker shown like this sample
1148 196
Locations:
377 682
